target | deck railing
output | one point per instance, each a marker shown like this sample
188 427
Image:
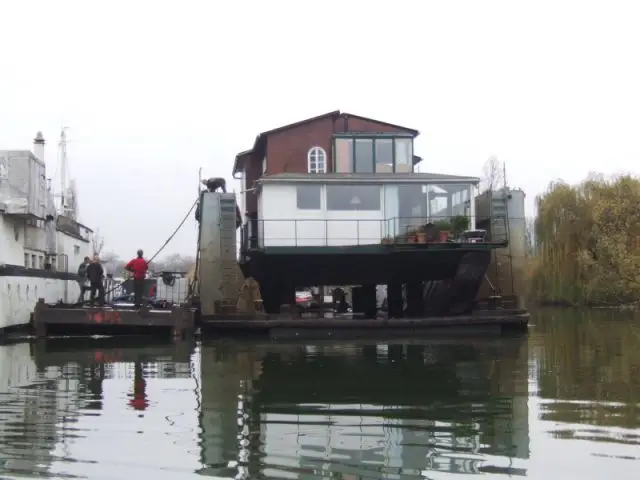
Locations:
343 232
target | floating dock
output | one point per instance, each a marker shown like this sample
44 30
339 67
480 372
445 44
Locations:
178 321
481 321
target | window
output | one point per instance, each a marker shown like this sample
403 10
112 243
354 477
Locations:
308 197
264 165
379 153
76 250
404 155
33 262
343 155
41 260
363 150
317 159
384 155
353 197
26 260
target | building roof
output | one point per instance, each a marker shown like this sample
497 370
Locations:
367 178
261 137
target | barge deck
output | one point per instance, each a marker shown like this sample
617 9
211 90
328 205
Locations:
178 321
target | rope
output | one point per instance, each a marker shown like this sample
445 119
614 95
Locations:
166 242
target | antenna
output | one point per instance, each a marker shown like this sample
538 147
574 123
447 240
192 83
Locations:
62 159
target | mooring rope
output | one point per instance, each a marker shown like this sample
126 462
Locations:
165 243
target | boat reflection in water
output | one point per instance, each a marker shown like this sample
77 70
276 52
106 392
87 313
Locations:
398 410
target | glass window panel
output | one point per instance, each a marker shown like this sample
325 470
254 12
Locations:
308 197
344 155
364 155
317 160
353 197
384 155
404 154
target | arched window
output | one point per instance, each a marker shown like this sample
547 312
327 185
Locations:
317 160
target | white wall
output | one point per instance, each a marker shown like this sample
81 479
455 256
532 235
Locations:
283 224
66 245
11 251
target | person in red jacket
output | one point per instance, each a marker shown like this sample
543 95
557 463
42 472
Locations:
138 267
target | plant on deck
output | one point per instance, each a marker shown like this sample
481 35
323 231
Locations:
587 239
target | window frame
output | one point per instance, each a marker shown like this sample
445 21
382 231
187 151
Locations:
309 185
316 149
352 137
351 187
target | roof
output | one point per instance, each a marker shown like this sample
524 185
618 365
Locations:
261 137
367 178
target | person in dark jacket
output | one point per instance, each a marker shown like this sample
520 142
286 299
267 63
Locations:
95 274
82 282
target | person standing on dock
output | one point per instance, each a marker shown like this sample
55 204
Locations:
95 274
138 267
82 282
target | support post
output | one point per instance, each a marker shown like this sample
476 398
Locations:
39 324
370 301
415 301
394 300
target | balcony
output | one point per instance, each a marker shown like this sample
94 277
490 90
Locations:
340 233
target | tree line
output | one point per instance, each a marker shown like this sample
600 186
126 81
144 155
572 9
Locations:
587 243
114 265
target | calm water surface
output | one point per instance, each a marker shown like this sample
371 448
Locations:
560 403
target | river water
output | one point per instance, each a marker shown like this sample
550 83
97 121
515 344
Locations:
558 403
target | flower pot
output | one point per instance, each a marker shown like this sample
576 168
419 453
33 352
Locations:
411 238
444 236
422 237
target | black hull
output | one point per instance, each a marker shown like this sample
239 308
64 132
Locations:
434 282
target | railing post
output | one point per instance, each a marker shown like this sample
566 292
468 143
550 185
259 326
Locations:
358 232
326 233
295 231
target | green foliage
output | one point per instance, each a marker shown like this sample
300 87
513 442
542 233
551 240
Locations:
442 225
588 244
459 224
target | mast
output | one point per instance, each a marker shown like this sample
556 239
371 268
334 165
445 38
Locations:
62 146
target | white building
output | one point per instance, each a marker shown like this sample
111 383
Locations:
356 209
41 246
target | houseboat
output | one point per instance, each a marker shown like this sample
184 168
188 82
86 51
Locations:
337 200
42 243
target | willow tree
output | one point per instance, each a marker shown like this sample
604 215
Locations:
587 239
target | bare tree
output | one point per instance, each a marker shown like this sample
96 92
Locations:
174 263
97 242
493 174
113 264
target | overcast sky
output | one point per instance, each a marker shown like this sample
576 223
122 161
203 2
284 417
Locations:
154 90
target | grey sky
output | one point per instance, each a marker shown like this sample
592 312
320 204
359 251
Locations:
154 90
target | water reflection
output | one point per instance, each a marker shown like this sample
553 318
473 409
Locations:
359 410
588 374
559 403
89 408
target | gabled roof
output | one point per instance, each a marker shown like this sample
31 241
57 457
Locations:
261 137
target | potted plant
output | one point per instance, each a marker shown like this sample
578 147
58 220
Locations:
444 228
459 224
421 235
